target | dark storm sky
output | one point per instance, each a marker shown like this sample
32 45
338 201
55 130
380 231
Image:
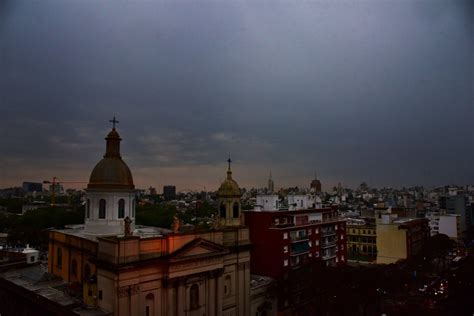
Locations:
375 91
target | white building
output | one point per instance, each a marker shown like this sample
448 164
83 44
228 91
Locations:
450 225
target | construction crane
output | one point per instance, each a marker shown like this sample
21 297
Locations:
54 183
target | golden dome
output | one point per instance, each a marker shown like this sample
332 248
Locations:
111 172
229 188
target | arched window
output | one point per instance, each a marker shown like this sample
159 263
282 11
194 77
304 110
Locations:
87 272
88 208
74 267
222 210
194 297
149 304
235 210
227 286
59 258
121 208
102 206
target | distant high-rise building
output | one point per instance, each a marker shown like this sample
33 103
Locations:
458 204
169 192
271 184
315 184
151 191
30 187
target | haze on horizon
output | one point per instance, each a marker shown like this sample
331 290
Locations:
374 91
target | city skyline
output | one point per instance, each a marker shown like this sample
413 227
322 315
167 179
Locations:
342 88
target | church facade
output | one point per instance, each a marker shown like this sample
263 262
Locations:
127 269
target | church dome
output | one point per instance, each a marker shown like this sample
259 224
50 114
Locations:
229 187
111 172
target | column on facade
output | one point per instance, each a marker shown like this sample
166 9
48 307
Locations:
220 289
241 289
170 299
181 302
211 297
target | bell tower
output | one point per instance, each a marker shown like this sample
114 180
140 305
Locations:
229 202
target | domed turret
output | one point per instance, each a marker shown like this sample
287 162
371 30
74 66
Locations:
228 197
229 188
111 172
110 198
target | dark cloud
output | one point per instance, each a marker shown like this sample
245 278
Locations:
374 91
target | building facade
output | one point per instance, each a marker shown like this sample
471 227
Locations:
399 238
361 241
169 192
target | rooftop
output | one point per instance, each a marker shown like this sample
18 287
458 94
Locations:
140 231
37 280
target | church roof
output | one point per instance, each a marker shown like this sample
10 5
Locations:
111 172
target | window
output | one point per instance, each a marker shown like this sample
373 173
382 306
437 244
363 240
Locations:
317 242
102 206
133 208
316 230
74 267
310 243
285 249
222 210
59 258
285 235
32 259
88 208
309 231
235 210
194 297
87 272
121 208
285 262
342 258
227 285
150 302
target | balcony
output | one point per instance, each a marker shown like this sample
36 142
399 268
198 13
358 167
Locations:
328 233
297 253
329 256
283 225
328 244
299 238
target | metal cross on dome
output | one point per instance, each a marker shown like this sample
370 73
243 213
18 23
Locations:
229 161
114 121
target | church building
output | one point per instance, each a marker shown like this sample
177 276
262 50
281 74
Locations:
127 269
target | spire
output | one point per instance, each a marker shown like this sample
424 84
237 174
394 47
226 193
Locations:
113 142
229 172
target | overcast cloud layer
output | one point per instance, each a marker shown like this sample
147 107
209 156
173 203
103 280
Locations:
375 91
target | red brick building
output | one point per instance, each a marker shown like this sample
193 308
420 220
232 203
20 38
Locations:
286 244
288 240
